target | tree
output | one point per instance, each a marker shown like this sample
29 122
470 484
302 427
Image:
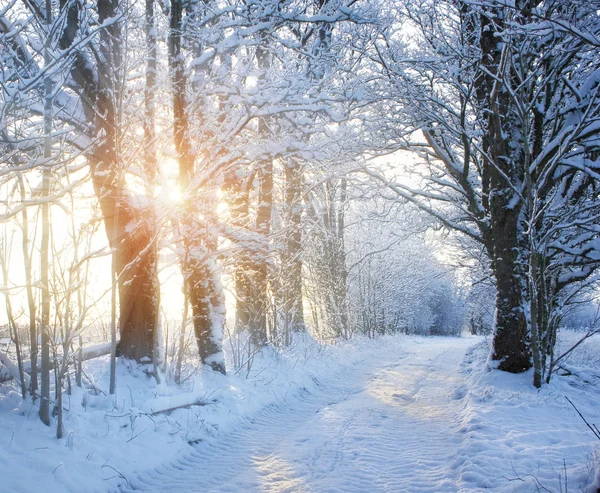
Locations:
45 244
326 256
202 286
492 100
396 280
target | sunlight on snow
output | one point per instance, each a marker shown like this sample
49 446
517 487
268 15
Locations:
407 390
278 475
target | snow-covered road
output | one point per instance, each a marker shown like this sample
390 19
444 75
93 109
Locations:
389 424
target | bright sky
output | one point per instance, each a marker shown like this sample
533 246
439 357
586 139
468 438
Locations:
99 266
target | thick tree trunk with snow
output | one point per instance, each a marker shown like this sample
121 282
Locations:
130 230
253 269
503 168
202 285
208 310
251 274
131 235
511 345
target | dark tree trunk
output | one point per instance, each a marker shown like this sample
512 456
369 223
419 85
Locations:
150 162
201 281
45 243
136 258
257 296
341 285
130 231
511 342
505 240
511 345
207 311
132 236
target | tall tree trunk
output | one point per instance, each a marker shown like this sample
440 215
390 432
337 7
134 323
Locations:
208 309
136 258
511 342
150 162
130 233
236 189
112 384
535 320
511 345
203 288
335 255
181 348
505 241
33 334
45 243
59 372
292 250
252 268
259 297
341 270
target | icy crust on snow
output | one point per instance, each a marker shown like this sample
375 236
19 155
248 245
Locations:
110 440
518 439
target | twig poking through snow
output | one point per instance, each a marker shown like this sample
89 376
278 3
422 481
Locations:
120 475
592 427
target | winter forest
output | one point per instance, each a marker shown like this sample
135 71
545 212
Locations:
299 245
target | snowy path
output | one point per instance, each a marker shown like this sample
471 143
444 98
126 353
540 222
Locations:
389 424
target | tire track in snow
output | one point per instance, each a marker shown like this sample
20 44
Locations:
387 425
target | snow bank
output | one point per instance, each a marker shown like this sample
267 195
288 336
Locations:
519 439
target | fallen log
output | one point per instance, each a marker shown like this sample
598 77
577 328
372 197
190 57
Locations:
12 369
90 352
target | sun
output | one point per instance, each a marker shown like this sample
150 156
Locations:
169 194
174 195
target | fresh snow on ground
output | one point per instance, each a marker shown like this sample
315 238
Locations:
394 414
516 438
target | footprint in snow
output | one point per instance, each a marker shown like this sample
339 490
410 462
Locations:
459 393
